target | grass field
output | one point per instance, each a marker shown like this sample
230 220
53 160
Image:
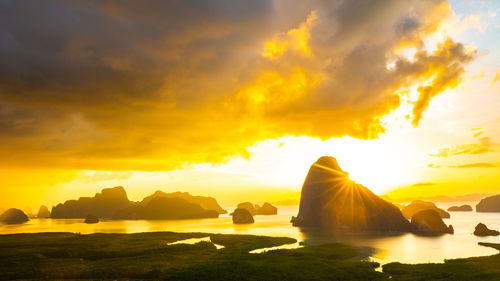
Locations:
148 256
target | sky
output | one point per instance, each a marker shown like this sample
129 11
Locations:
236 99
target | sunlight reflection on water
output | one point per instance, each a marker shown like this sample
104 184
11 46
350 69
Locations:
407 248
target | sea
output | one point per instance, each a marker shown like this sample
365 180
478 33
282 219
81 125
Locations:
404 248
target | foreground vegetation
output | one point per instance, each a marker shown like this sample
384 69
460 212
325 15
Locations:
149 256
476 268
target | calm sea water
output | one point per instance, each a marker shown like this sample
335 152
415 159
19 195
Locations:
406 248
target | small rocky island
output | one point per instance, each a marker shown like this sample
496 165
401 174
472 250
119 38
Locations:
242 216
489 204
430 222
13 216
43 212
419 205
483 230
254 209
463 208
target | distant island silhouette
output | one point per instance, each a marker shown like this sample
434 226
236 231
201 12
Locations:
254 209
113 203
489 204
419 205
331 201
463 208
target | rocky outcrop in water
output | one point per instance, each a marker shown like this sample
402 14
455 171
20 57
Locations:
330 200
13 216
207 203
483 230
430 222
419 205
165 208
463 208
242 216
489 204
103 205
254 209
43 212
91 219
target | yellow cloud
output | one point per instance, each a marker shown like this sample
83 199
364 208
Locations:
496 78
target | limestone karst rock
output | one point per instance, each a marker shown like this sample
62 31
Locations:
463 208
489 204
103 204
207 203
267 209
419 205
43 212
242 216
13 216
166 208
254 209
483 230
330 200
429 222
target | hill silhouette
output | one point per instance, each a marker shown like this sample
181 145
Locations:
113 203
102 205
330 200
43 212
13 216
489 204
419 205
166 208
429 222
207 203
463 208
254 209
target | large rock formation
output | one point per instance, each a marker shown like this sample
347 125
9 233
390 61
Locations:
43 212
330 200
254 209
242 216
103 205
483 230
207 203
429 222
166 208
489 204
463 208
419 205
13 216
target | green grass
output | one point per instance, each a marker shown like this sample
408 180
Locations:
147 256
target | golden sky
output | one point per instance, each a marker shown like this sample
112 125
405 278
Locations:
236 99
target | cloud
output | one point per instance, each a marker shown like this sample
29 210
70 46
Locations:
478 165
496 78
422 184
121 85
484 145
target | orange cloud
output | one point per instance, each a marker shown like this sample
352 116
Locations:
484 145
151 87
